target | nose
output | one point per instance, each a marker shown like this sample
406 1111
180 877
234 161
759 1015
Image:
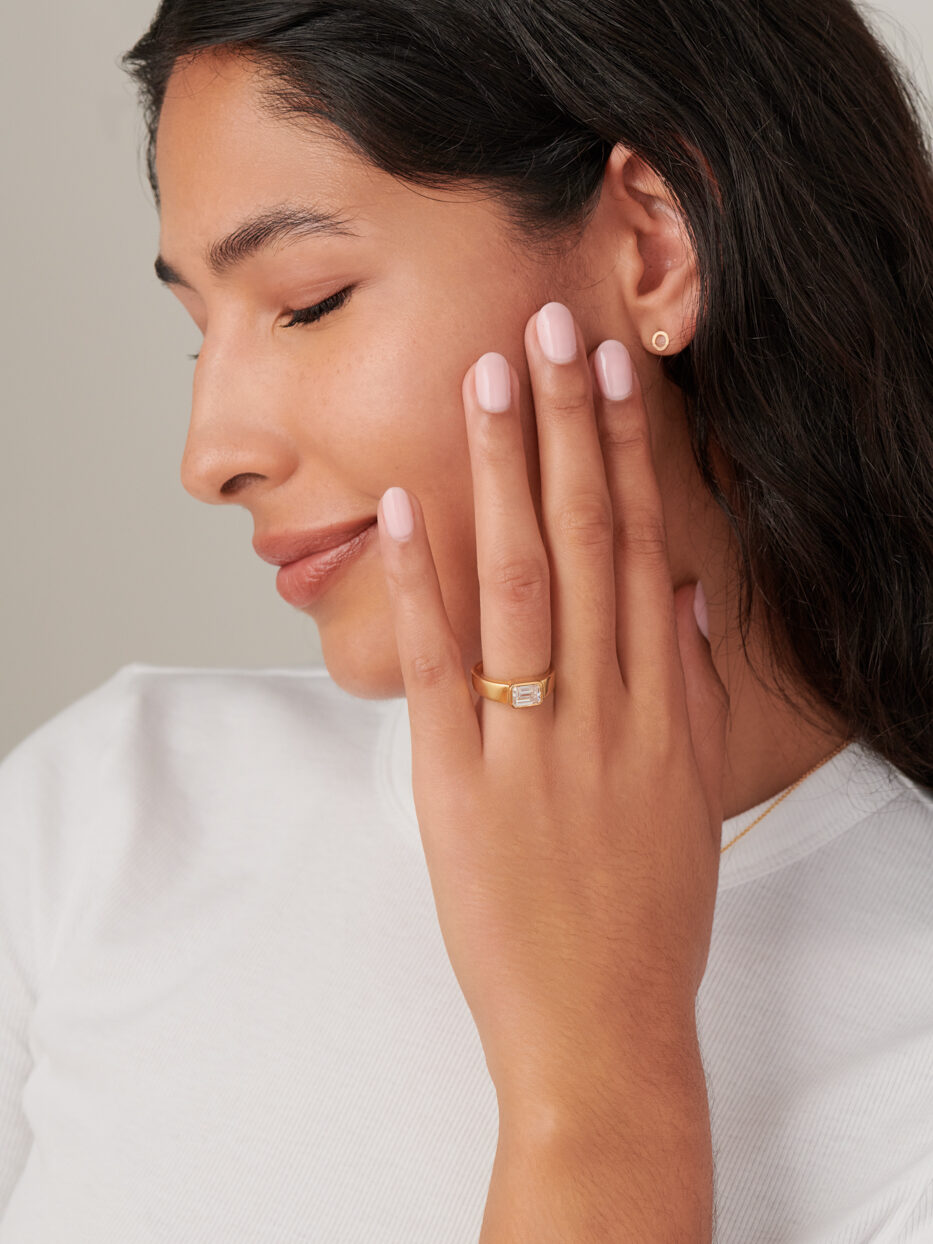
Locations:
235 445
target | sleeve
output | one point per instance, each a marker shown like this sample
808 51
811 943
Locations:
46 784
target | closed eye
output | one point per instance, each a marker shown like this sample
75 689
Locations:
310 315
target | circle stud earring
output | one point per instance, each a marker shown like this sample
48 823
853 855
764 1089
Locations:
660 340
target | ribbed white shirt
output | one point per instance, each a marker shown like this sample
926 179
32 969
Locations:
227 1013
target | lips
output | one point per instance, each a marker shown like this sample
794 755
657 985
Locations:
303 581
281 550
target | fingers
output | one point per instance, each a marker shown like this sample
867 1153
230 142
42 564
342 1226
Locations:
512 565
591 594
577 510
646 627
445 732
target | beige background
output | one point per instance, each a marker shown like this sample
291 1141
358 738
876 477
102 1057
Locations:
105 558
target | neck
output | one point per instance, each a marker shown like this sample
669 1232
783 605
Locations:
770 743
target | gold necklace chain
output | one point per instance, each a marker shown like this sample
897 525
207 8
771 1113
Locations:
784 795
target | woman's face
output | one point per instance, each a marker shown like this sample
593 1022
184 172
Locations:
315 421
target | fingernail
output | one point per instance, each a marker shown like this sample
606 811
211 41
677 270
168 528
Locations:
493 383
614 371
700 610
396 512
556 333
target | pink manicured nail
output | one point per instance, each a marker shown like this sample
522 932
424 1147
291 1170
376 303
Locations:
396 511
493 383
556 334
700 611
614 370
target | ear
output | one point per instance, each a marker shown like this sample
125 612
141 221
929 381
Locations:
657 265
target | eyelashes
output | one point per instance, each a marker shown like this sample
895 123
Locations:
310 315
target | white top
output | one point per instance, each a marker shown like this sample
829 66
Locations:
227 1013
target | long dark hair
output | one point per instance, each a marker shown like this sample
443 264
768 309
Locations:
795 147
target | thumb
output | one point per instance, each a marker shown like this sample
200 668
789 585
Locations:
707 697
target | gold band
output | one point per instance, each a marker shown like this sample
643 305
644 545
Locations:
660 340
520 693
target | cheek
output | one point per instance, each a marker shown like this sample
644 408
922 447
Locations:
423 446
413 428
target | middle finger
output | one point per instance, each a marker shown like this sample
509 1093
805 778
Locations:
576 508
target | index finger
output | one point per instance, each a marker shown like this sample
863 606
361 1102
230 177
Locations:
445 732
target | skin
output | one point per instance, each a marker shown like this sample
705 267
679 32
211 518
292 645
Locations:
318 420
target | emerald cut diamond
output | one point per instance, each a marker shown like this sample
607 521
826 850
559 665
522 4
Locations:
525 693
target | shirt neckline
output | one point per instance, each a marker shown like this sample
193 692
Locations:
834 798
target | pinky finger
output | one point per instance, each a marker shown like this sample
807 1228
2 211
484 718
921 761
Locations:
445 730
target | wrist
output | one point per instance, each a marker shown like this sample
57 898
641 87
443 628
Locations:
656 1077
605 1165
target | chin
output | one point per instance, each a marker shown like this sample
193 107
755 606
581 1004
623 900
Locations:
367 669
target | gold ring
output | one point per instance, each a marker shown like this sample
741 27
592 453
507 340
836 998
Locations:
520 693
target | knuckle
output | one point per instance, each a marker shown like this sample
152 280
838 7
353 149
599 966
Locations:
429 670
665 739
594 727
654 753
493 443
586 521
519 580
625 432
570 399
644 536
661 733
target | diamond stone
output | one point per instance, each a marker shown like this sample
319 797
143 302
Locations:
525 693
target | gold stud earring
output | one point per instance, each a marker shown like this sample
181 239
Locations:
660 340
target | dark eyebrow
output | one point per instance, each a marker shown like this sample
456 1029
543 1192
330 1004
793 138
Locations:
284 223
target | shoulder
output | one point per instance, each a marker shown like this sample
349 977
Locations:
261 715
914 797
176 763
162 782
65 749
881 867
150 720
902 826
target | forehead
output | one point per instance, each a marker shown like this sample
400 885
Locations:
219 151
221 156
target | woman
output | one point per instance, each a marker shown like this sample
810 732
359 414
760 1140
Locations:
626 298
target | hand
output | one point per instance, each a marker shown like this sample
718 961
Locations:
573 846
